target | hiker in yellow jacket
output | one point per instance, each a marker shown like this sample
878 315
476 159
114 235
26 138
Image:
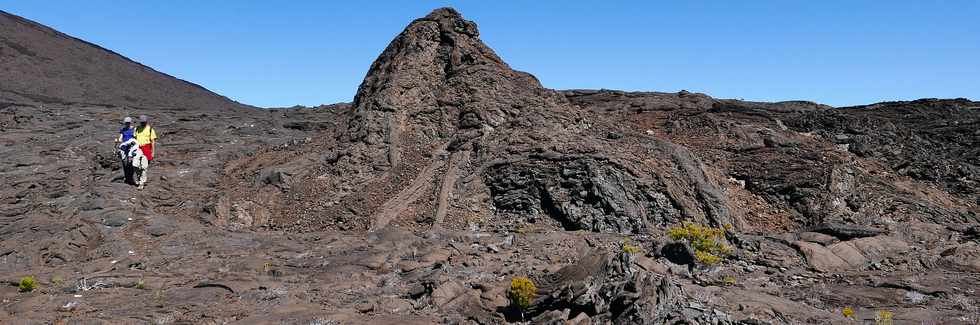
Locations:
146 137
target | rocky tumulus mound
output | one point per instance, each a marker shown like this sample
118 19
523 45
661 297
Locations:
442 131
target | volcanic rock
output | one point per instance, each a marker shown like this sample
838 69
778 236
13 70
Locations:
438 107
449 175
852 254
115 217
160 226
611 288
678 253
820 258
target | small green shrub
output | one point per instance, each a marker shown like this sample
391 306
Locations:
884 317
707 258
848 312
522 291
266 267
140 284
706 241
524 229
729 280
270 269
27 284
629 249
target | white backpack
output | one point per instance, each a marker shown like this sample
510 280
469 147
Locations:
135 154
139 160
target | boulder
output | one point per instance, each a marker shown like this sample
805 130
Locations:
446 292
964 257
116 218
816 237
552 317
456 298
651 265
610 288
820 258
846 231
879 247
580 319
393 305
678 253
850 255
972 232
160 225
435 256
248 214
274 177
494 296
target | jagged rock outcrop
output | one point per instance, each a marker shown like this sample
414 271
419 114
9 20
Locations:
928 139
613 289
435 82
852 254
587 193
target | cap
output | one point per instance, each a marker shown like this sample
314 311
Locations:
143 118
128 120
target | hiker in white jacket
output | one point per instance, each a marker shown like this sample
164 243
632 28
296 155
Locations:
133 157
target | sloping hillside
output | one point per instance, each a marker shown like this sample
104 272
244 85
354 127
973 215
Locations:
40 64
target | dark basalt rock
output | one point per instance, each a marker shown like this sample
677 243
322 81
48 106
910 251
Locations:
846 231
115 219
973 232
274 177
678 253
160 226
611 288
934 140
585 194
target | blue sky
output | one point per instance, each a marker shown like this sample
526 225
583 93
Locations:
283 53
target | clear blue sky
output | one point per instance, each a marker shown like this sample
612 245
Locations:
314 52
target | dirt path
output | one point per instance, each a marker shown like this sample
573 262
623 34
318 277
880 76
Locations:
448 185
392 208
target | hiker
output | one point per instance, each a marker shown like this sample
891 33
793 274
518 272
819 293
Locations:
135 161
127 132
123 144
146 137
